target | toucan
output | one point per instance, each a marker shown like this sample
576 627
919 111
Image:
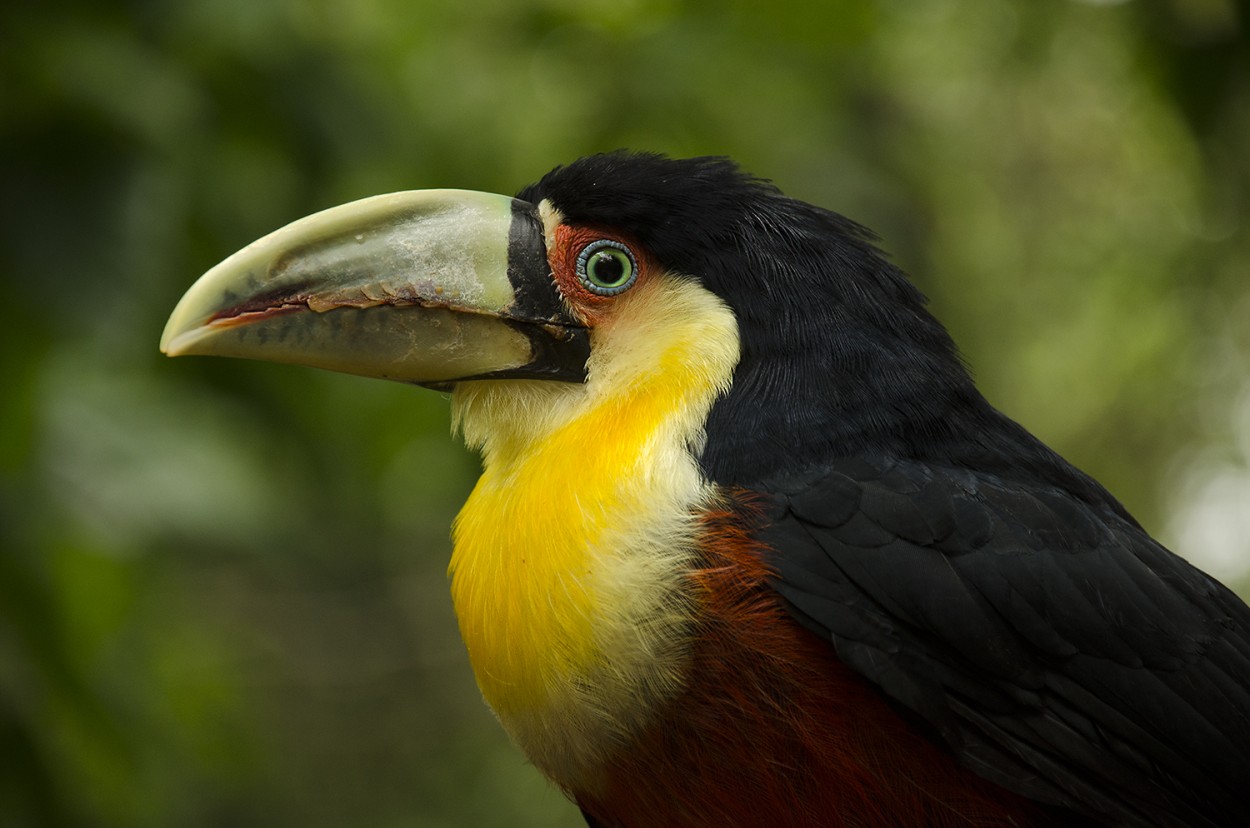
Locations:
749 548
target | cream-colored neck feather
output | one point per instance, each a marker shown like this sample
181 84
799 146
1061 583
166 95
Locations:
570 554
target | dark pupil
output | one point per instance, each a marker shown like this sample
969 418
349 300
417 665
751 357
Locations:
606 268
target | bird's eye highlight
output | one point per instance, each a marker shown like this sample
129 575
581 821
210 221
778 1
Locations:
606 267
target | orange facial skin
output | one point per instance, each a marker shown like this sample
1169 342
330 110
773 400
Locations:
567 244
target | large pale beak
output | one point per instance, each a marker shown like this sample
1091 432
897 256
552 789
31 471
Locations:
429 286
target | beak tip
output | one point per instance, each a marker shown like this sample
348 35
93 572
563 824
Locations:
179 336
169 340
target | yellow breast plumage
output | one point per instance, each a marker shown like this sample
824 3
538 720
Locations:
570 552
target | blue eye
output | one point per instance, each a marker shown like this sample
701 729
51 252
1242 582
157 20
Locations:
606 267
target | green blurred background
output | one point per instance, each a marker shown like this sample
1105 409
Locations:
222 589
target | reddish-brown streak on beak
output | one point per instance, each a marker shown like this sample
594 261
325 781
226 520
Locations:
269 306
238 316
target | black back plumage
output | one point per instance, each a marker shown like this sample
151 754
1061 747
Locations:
986 585
1053 645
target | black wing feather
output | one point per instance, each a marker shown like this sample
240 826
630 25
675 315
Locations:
1050 642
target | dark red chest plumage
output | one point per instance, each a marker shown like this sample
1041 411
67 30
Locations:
773 730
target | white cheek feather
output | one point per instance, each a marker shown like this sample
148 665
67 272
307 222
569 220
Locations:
570 556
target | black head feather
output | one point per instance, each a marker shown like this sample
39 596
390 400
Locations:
839 355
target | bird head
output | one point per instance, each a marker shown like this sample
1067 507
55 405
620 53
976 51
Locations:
606 271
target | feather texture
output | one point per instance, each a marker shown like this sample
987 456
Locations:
1055 647
773 730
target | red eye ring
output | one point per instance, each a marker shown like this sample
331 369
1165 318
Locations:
571 251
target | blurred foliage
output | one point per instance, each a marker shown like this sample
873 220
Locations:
222 590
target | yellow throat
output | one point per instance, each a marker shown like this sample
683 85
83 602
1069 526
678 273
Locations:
567 572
